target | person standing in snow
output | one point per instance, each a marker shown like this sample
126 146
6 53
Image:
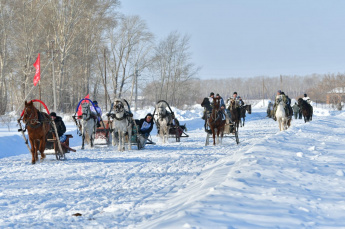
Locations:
296 110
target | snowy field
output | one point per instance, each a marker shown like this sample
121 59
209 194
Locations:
272 179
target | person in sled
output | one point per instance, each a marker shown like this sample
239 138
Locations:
97 111
146 125
61 130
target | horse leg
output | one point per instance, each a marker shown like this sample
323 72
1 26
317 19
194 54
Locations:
42 148
130 138
244 119
83 140
120 140
214 136
32 143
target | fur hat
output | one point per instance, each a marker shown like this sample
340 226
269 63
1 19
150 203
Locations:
211 93
53 114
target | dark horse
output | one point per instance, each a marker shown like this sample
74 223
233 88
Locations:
216 121
235 112
244 109
306 109
38 125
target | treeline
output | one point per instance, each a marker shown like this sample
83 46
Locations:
90 47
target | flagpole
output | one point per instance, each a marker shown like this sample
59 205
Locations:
32 87
39 89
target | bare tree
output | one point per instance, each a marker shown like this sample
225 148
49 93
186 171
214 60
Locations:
130 45
172 70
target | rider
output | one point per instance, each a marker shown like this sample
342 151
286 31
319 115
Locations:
279 93
307 99
288 108
98 112
60 126
236 98
211 98
146 125
221 100
240 101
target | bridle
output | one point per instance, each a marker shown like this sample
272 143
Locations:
86 112
118 109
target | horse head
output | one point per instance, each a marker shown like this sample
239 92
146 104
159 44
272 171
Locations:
232 105
300 102
86 111
161 110
118 106
216 104
30 112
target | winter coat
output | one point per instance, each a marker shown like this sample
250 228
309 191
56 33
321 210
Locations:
60 126
147 126
283 97
307 99
99 111
295 108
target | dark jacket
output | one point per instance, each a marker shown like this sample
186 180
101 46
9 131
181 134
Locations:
60 126
141 122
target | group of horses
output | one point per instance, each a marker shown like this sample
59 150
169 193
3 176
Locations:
214 117
284 121
39 123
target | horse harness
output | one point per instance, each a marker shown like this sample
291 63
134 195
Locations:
34 122
119 107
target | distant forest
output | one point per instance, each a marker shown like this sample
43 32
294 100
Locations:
90 48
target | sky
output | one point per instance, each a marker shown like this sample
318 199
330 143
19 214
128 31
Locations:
248 38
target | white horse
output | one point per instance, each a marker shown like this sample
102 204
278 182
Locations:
281 115
163 119
122 124
88 125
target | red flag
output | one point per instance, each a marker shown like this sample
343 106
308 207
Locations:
38 70
79 113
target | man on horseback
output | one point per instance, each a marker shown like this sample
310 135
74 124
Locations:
221 100
98 111
307 99
279 96
211 98
288 105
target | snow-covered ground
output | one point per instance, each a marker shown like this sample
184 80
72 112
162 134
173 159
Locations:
272 179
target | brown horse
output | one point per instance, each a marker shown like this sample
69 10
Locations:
235 112
216 121
306 108
38 125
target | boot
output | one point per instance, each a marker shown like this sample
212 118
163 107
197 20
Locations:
63 144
